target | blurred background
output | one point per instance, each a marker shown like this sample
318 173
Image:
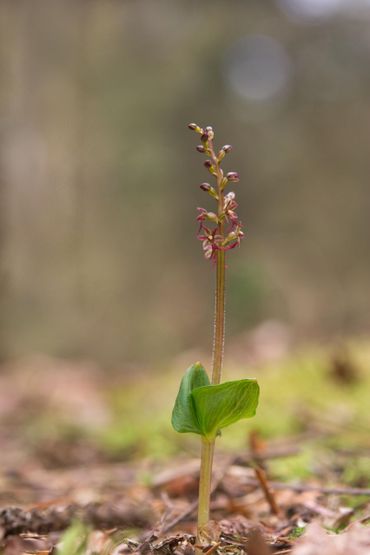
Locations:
105 295
99 176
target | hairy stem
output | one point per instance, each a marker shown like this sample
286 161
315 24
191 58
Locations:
219 322
219 318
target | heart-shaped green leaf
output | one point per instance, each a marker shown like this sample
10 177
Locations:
184 418
218 406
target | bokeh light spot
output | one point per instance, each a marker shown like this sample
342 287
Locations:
310 9
257 68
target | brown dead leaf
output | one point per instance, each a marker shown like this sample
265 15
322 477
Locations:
354 541
182 486
27 545
236 526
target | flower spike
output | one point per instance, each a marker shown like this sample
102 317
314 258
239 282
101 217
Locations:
220 230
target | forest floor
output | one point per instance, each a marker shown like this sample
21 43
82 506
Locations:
90 465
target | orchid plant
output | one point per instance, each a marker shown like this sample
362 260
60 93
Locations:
204 406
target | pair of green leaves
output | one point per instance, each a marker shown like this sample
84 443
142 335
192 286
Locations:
202 408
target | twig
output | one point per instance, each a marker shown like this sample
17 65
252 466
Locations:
257 448
213 548
268 493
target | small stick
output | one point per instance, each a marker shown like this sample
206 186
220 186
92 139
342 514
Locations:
213 548
267 491
257 448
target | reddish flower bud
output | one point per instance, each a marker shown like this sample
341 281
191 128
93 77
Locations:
232 176
208 189
204 137
227 148
200 148
210 133
196 128
210 167
223 151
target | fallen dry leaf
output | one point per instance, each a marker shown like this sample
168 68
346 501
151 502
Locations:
354 541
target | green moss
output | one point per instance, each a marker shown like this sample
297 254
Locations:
296 532
297 395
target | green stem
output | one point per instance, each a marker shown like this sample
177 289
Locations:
205 480
218 353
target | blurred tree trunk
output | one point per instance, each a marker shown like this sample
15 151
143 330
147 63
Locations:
3 270
81 11
22 168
